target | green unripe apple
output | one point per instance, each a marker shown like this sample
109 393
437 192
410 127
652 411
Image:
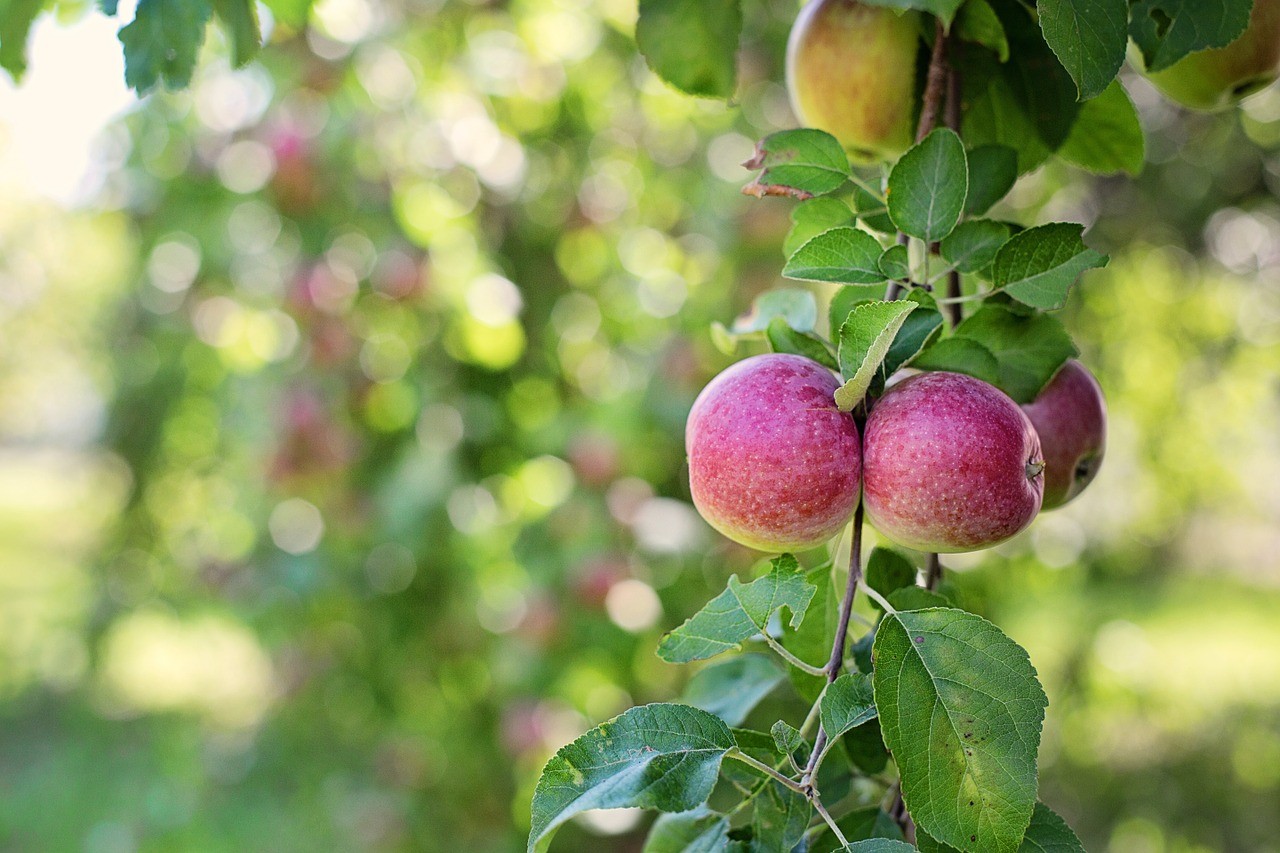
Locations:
851 71
1216 79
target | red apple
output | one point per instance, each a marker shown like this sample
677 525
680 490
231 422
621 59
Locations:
851 71
773 464
1070 416
950 464
1217 78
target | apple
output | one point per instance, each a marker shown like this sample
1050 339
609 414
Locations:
1216 79
773 464
1070 416
950 463
851 71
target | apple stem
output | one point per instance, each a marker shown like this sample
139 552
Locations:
933 572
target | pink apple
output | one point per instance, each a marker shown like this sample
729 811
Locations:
1070 417
773 464
950 464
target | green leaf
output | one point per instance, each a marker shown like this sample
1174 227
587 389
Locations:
740 612
1049 833
802 163
843 255
812 640
993 170
872 211
786 737
1028 103
928 185
1027 349
974 244
860 650
1167 30
961 355
916 598
980 24
928 844
879 845
692 44
961 711
867 751
1107 137
944 9
783 338
659 756
865 338
108 7
888 570
1038 266
697 831
163 41
895 263
1089 39
779 818
848 298
848 703
241 19
921 326
810 218
730 689
796 307
16 18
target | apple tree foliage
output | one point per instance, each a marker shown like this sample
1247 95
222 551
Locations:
922 276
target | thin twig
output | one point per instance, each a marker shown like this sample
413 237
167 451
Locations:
953 310
836 662
934 84
879 599
766 770
792 659
822 810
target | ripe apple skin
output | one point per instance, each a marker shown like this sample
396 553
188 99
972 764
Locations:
1070 416
950 464
851 71
773 464
1215 79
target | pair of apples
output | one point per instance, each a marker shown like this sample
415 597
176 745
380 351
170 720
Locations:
946 462
851 71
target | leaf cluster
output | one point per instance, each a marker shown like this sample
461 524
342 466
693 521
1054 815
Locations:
954 701
935 199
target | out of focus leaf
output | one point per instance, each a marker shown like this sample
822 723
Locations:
692 44
163 42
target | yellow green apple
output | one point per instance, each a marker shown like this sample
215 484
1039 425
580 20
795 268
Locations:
1217 78
851 71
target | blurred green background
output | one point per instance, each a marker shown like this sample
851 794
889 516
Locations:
341 444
